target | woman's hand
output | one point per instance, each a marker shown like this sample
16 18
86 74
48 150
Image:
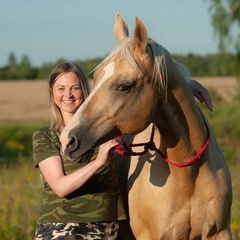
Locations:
201 93
104 151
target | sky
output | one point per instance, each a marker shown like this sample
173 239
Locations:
46 30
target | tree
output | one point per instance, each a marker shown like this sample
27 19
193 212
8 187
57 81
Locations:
12 62
225 16
12 72
24 68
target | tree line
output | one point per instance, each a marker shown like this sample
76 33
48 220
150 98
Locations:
209 65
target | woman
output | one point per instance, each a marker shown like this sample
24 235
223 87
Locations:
79 200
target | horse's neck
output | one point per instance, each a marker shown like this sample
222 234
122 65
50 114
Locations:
181 126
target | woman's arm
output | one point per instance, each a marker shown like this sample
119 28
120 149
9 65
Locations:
201 93
62 184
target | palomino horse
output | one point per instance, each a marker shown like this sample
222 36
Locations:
180 188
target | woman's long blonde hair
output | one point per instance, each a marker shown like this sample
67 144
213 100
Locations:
57 122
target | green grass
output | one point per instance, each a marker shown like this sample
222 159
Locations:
20 187
235 219
16 140
20 191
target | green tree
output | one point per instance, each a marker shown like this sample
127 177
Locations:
45 70
12 62
89 65
225 16
12 72
24 68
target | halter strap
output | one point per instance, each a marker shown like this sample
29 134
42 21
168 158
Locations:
121 149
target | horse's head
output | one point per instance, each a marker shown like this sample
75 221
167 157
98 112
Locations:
123 100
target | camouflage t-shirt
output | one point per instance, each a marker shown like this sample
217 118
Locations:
98 199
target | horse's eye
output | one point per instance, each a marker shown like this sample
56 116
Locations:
124 88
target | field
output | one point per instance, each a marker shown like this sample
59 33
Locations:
23 100
27 100
23 105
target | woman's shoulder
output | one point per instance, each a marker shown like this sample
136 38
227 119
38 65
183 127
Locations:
45 144
45 132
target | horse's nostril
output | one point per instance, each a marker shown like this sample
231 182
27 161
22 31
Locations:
73 144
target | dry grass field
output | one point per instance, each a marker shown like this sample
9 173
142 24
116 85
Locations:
23 100
28 100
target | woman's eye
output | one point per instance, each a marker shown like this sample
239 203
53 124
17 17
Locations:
76 88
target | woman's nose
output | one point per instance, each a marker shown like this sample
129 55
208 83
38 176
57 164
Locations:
69 93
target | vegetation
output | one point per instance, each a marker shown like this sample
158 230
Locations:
20 187
209 65
18 70
225 16
20 191
19 145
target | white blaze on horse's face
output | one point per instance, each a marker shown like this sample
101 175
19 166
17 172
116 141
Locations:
109 71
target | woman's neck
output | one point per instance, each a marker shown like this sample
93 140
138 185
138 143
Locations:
66 118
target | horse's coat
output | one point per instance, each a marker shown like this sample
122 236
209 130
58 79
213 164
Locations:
136 85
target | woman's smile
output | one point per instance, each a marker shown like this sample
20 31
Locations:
67 93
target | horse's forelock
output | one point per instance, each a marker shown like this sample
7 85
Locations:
125 48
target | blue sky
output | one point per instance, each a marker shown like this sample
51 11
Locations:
46 30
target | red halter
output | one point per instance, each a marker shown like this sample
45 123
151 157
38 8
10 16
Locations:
151 146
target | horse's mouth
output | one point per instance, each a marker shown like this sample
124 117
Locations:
85 158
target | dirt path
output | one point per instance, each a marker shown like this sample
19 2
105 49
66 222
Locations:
28 100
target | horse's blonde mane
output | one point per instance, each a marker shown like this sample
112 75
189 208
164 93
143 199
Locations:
125 48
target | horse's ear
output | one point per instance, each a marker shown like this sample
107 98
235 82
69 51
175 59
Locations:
140 35
120 28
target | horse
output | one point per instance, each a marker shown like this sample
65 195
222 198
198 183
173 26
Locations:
179 187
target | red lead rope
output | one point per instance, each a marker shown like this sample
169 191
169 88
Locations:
121 149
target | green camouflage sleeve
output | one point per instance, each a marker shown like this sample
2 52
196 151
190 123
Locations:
44 146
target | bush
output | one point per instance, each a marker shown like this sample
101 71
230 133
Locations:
16 141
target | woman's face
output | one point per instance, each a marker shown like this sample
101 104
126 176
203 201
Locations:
67 93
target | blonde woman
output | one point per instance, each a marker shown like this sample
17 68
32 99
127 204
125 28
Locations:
79 200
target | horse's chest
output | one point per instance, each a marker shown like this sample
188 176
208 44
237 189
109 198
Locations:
171 206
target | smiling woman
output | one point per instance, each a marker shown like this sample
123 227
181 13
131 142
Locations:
68 88
78 199
67 94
